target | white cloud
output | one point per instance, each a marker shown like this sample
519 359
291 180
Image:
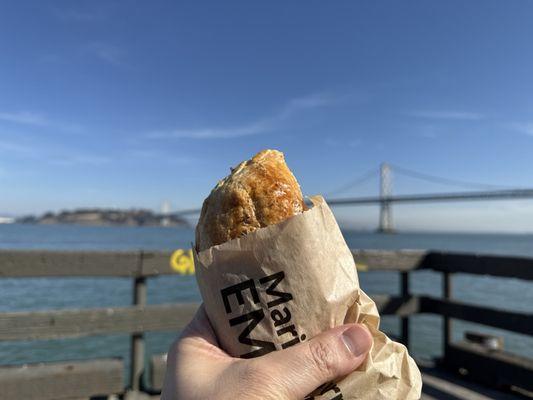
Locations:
259 126
212 133
428 131
14 147
66 157
445 114
78 159
106 52
526 128
333 142
24 117
316 100
153 154
36 119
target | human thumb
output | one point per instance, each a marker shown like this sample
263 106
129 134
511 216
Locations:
300 369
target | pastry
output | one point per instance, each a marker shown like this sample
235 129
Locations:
259 192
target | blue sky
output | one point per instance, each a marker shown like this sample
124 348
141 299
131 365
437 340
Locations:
128 104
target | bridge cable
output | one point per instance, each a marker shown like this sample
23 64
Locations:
445 181
355 182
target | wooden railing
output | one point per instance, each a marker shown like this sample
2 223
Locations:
140 317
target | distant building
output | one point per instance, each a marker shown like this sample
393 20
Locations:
6 220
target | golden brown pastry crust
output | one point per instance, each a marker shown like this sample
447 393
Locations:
259 192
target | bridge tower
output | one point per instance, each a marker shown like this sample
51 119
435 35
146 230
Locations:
165 211
385 191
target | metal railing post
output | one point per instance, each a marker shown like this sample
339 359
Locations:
404 289
137 338
447 323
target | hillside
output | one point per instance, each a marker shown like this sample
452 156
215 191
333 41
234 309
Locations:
103 217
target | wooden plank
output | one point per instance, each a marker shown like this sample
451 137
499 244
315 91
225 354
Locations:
87 322
509 320
408 260
158 364
167 317
50 263
40 263
492 368
502 266
436 388
389 260
17 263
443 385
66 380
156 263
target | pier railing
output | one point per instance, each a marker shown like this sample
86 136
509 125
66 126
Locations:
103 377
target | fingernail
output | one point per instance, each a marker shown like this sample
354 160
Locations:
357 340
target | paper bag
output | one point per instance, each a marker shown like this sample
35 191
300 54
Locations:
284 284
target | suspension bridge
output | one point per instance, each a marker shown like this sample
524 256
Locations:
386 198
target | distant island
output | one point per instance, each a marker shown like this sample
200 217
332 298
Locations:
105 217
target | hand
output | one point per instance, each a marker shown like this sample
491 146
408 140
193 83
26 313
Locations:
197 369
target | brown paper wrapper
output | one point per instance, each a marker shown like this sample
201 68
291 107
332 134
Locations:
286 283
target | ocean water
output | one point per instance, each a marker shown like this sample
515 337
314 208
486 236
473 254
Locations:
29 294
